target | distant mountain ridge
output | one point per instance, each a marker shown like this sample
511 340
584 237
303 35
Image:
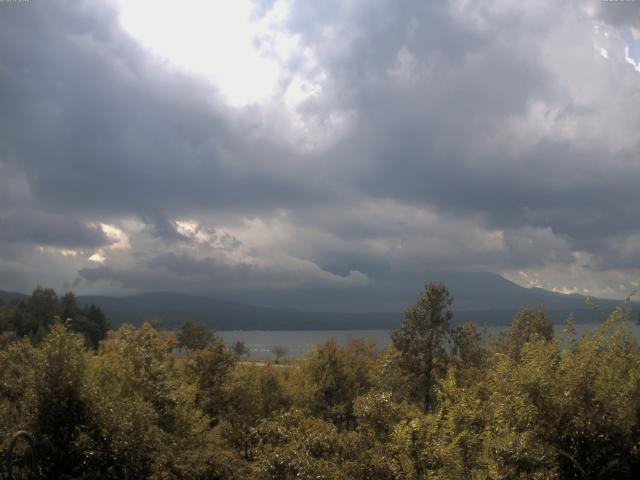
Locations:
7 298
173 308
487 299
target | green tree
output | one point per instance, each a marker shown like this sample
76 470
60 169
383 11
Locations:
5 313
99 324
468 355
143 416
252 393
296 446
390 377
421 338
92 323
60 405
240 348
329 380
19 361
527 325
33 316
209 370
194 336
68 307
279 351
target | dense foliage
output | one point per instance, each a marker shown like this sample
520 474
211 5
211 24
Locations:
33 317
441 402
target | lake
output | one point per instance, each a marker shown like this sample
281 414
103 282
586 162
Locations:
299 342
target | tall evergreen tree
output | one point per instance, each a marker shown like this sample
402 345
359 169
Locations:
421 338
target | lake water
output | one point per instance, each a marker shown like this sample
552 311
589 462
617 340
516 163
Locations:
299 342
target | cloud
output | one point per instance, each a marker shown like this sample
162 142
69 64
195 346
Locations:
206 259
614 13
400 138
183 273
50 230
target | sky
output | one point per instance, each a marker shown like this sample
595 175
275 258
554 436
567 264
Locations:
228 148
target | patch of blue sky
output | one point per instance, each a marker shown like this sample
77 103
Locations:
631 39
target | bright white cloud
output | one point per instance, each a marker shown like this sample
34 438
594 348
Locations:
98 258
213 39
247 58
578 278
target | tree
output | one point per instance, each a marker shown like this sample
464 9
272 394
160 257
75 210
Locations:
68 307
209 369
101 324
19 362
60 407
252 392
33 316
92 323
143 417
331 378
194 336
240 348
279 351
527 325
294 445
420 340
4 317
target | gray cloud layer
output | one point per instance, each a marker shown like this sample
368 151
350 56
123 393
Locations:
452 136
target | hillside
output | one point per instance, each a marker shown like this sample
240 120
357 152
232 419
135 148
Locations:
7 298
485 298
482 297
173 308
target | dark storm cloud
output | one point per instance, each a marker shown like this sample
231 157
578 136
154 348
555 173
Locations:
51 230
98 126
616 12
168 270
161 227
187 272
432 139
482 135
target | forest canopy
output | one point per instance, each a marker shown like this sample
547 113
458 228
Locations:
441 402
33 317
